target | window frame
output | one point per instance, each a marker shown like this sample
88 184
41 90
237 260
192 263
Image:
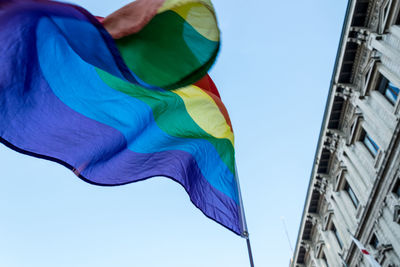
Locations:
374 241
336 234
369 143
325 259
396 188
373 81
388 90
352 195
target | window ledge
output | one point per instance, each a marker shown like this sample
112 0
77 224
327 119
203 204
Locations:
359 211
397 109
378 159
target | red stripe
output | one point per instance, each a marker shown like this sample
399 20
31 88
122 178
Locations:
208 86
364 251
131 18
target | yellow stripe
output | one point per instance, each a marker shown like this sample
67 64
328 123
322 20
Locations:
199 14
203 110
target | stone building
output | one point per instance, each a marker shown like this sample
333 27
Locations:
355 181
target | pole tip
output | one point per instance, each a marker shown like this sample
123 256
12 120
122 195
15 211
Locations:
245 234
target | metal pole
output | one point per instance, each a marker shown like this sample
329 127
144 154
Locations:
287 234
245 232
250 253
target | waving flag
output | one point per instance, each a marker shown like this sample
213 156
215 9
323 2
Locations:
119 105
365 252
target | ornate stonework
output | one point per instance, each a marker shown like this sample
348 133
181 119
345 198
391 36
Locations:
359 199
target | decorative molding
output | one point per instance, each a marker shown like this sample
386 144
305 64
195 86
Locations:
340 178
360 35
314 219
306 245
344 90
331 142
381 252
374 15
327 220
392 201
383 14
347 119
355 128
367 74
321 186
318 248
366 61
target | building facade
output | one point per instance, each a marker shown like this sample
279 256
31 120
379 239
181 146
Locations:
354 186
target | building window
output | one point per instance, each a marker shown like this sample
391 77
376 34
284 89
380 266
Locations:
374 242
335 232
325 259
396 188
397 20
388 89
351 194
396 214
369 143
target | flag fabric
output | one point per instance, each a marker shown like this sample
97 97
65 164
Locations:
365 252
124 104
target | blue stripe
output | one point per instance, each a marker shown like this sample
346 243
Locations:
94 49
77 84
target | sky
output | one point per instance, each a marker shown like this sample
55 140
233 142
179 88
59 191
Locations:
273 74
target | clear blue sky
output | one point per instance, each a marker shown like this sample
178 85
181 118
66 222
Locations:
273 74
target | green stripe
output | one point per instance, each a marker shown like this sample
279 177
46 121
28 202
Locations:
168 38
171 116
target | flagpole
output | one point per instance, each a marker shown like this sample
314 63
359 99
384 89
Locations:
245 232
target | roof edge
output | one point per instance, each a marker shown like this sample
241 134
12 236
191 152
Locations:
341 46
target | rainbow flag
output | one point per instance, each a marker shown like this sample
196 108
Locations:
121 100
